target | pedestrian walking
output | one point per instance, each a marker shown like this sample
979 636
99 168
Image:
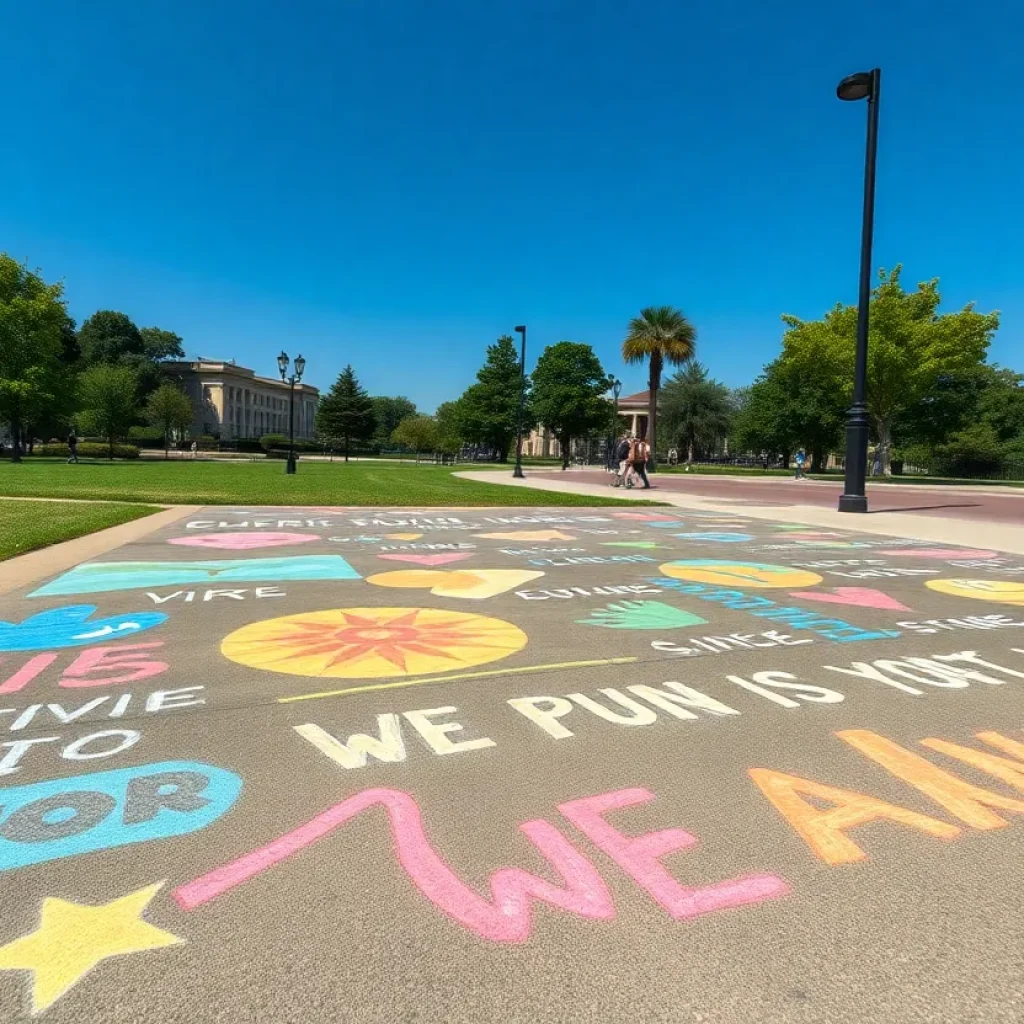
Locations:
622 461
800 461
640 456
73 447
195 448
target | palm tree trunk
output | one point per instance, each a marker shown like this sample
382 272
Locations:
652 410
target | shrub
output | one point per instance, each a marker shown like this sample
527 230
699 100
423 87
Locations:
207 442
280 441
975 451
146 437
90 450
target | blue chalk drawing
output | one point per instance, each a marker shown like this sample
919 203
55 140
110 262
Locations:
67 627
94 577
666 526
128 816
721 538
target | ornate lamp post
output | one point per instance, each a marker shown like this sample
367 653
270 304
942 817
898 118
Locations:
518 471
296 377
616 391
864 84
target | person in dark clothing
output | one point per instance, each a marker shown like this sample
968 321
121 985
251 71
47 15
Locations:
73 447
641 453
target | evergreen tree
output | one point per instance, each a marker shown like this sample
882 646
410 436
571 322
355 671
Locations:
346 412
489 409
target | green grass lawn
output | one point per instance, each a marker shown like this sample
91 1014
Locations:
265 483
27 525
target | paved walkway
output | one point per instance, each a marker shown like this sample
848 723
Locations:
812 504
521 765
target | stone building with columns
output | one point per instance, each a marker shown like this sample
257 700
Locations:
633 412
231 402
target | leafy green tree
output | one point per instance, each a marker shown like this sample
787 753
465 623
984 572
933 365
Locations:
568 393
488 409
170 409
346 412
417 433
32 321
1001 404
159 344
659 335
109 396
696 410
108 336
388 413
449 427
910 347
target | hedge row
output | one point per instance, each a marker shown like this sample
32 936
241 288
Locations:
90 450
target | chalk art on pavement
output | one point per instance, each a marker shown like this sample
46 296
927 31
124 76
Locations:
641 615
860 597
1000 591
73 938
471 584
70 627
739 574
439 559
370 643
243 541
97 577
78 814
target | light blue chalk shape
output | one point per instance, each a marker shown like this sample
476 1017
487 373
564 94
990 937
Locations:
94 577
666 526
68 627
212 794
721 538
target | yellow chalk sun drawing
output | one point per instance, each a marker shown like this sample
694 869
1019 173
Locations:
1000 591
372 643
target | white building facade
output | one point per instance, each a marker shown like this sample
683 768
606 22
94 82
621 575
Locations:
231 402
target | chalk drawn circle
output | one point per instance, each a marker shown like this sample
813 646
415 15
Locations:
739 574
999 591
243 541
373 643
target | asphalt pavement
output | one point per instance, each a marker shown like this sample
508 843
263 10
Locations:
518 765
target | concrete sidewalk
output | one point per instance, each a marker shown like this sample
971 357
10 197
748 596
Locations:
998 536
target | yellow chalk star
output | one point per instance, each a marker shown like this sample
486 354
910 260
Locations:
72 939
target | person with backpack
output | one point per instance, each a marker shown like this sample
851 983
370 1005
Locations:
621 461
640 452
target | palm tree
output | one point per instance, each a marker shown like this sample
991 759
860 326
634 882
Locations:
659 334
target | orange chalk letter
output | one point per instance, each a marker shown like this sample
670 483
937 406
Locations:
824 830
965 801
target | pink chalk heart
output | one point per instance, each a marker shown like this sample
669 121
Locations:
429 559
862 597
243 541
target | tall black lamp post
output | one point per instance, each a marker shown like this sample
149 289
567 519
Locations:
518 471
296 377
616 391
863 85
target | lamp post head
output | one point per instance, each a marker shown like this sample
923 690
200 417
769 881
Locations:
521 329
855 87
617 388
300 367
282 363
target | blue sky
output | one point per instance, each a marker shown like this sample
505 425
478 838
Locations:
395 184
